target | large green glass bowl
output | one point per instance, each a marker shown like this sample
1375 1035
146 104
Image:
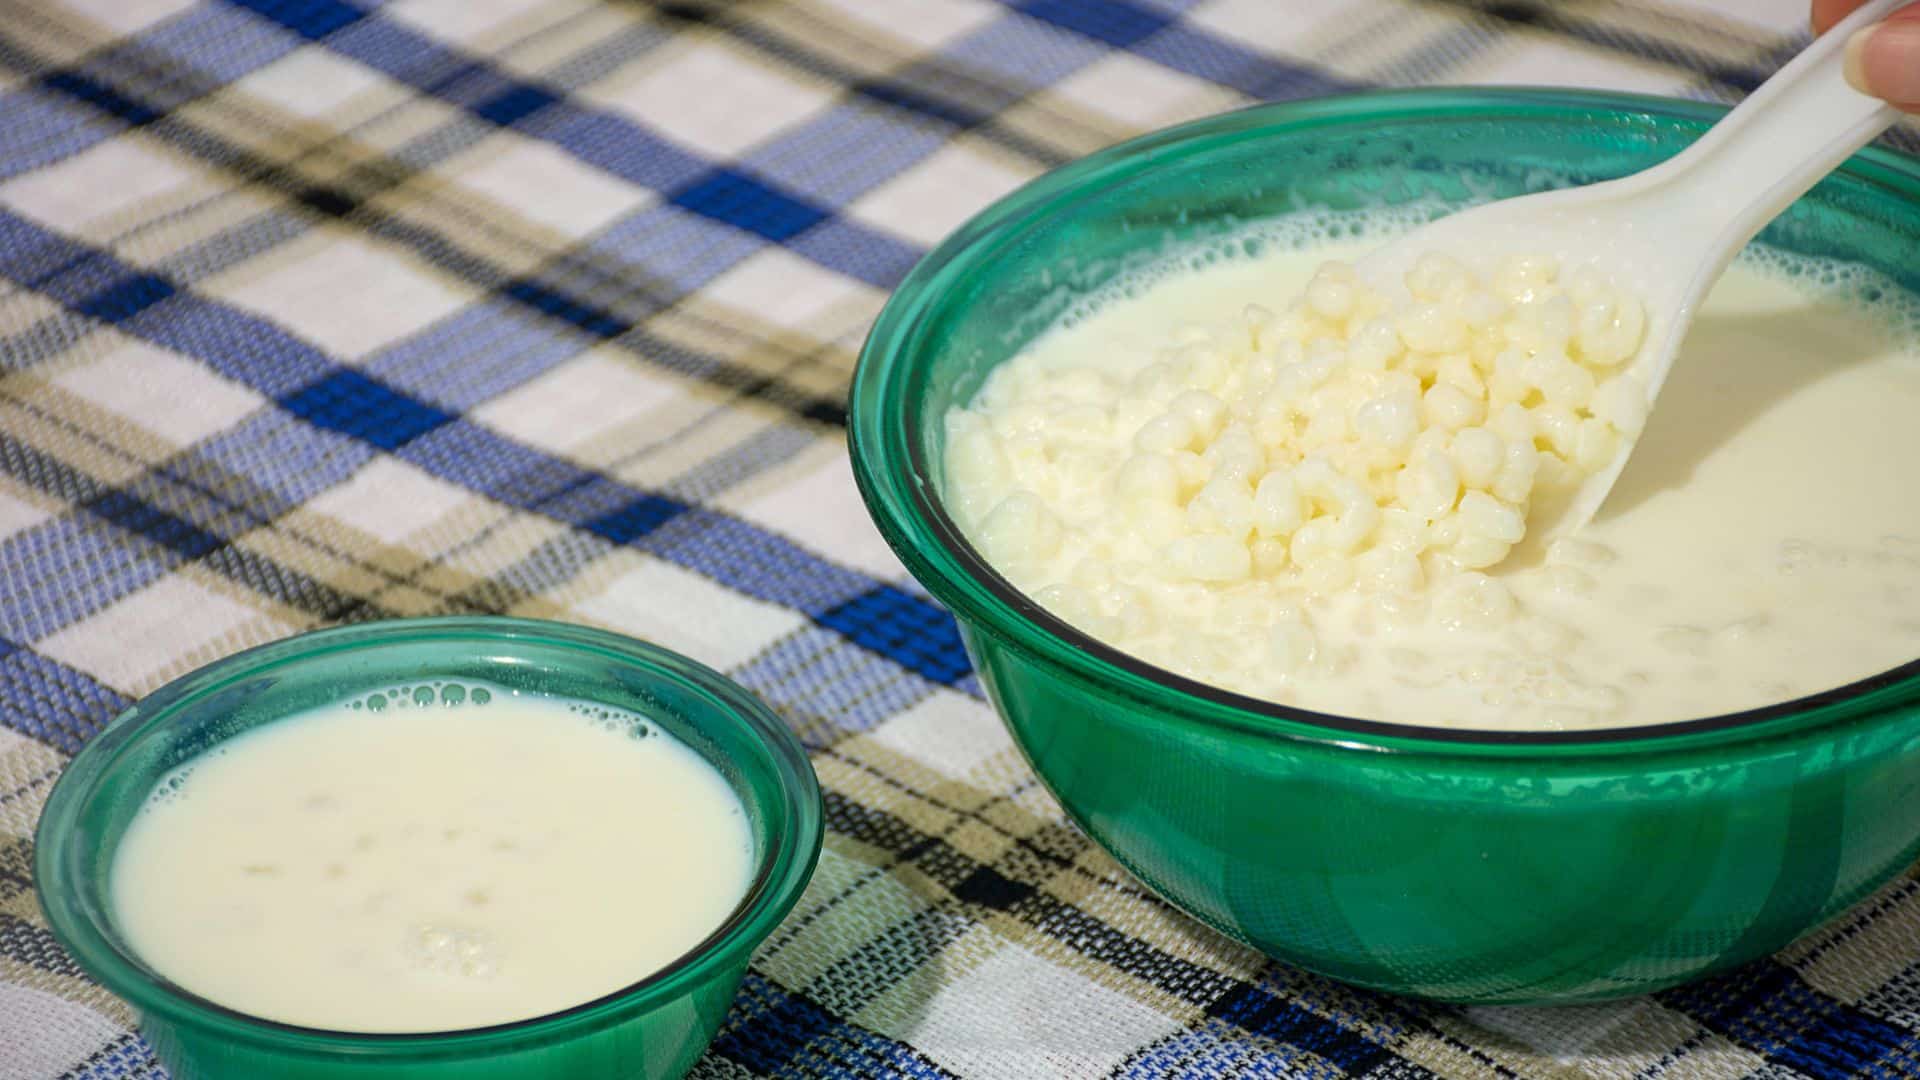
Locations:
1456 865
652 1030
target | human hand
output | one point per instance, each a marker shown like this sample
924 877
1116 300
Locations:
1882 60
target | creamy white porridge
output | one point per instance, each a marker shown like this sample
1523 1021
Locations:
1258 474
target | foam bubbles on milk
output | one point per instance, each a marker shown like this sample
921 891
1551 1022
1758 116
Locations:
611 720
175 785
454 951
408 695
1295 232
1829 279
1853 284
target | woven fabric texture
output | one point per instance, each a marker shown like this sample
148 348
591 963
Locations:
315 311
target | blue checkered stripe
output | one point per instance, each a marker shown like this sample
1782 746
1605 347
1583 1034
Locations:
869 648
351 414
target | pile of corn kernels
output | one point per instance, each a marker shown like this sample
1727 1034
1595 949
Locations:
1345 446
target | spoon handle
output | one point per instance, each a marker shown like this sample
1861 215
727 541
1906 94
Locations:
1798 126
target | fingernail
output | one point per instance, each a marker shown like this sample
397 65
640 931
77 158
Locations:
1884 61
1855 60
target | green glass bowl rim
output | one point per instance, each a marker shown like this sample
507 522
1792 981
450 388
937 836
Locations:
778 881
897 486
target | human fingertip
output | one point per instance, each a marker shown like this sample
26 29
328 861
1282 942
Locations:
1855 59
1884 61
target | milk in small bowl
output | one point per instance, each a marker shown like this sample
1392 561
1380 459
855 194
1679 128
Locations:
468 847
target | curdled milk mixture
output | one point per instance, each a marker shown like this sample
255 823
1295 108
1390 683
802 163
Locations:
1258 473
431 858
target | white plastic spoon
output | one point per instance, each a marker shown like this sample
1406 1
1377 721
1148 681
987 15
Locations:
1667 233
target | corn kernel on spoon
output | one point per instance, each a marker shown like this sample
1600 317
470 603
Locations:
1666 234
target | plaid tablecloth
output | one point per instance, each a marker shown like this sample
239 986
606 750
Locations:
325 310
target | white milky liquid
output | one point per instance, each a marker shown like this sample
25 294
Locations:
431 864
1763 544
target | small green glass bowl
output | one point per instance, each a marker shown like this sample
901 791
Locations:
654 1028
1460 866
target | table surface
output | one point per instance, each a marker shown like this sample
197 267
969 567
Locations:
324 310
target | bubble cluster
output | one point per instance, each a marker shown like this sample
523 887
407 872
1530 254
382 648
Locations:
1860 288
422 695
458 952
175 786
1296 232
612 720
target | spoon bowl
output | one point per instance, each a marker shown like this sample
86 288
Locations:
1665 234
